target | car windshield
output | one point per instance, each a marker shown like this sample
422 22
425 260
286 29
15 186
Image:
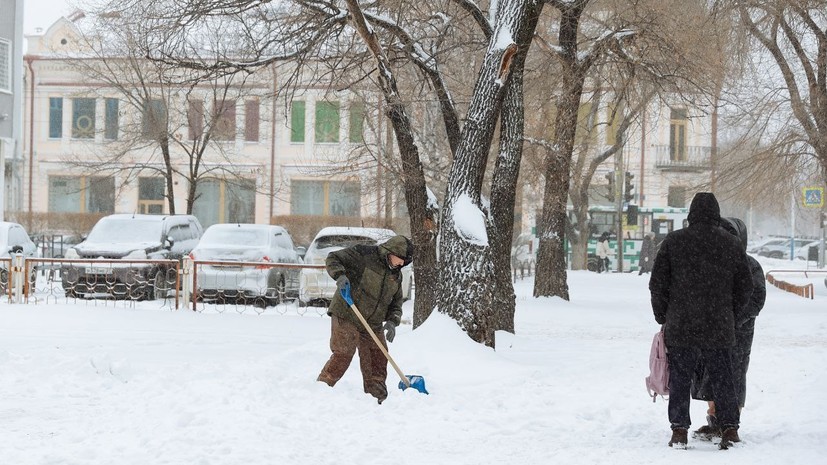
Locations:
234 237
125 230
341 240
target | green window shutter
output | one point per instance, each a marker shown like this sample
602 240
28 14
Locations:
55 117
327 122
110 130
357 123
297 122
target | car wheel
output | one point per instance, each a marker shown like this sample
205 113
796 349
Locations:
275 289
32 283
4 281
162 284
776 255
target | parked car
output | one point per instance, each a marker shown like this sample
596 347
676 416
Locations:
13 240
317 287
232 243
130 237
770 241
780 249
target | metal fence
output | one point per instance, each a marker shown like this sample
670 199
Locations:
202 286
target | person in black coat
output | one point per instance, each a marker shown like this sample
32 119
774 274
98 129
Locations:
647 253
700 285
744 331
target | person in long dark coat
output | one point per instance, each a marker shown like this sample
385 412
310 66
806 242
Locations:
700 285
744 332
647 253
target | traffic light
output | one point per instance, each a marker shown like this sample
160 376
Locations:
629 188
610 189
631 215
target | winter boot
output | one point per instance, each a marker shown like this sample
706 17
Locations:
711 430
678 440
728 438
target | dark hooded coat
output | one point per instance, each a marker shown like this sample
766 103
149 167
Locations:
744 327
376 288
700 282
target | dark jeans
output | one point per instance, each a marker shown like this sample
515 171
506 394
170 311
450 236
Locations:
718 363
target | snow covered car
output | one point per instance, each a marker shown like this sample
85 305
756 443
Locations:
13 240
234 243
130 237
317 287
782 249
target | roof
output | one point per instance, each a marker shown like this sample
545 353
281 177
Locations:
373 233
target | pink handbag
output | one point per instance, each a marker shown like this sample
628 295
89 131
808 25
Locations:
657 383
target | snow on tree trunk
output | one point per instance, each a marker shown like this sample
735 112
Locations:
468 284
504 187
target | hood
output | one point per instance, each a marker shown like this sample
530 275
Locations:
114 248
400 246
737 228
704 209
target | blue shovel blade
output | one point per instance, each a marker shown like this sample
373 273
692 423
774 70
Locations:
417 382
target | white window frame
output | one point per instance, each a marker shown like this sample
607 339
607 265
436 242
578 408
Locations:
6 61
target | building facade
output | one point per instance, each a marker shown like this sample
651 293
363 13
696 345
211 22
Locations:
11 95
91 149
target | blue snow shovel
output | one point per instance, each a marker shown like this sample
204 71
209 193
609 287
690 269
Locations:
407 381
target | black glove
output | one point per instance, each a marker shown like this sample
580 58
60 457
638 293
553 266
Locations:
390 331
342 283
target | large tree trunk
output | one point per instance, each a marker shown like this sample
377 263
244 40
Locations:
468 285
551 277
504 186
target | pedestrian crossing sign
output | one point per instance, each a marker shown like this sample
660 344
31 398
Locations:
813 196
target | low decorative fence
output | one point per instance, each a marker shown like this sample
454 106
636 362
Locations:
804 290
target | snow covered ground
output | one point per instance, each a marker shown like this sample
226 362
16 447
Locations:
86 384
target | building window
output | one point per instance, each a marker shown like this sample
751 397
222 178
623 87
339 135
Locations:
154 122
110 123
83 118
676 197
195 119
297 117
151 195
357 123
5 65
251 120
335 198
81 194
327 122
225 201
677 134
224 120
55 117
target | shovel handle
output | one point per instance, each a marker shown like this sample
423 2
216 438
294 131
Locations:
379 344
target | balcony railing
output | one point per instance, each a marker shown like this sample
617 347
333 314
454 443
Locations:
687 158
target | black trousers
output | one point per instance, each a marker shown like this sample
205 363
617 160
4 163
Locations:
718 363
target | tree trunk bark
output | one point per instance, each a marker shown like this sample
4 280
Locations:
468 284
504 185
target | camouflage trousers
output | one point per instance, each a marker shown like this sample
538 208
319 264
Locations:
345 339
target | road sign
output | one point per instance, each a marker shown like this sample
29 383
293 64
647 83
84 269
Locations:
813 196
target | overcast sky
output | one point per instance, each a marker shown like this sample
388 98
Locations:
43 13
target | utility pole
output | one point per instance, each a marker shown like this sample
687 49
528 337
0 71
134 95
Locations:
619 197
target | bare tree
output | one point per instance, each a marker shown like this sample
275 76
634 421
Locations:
320 36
